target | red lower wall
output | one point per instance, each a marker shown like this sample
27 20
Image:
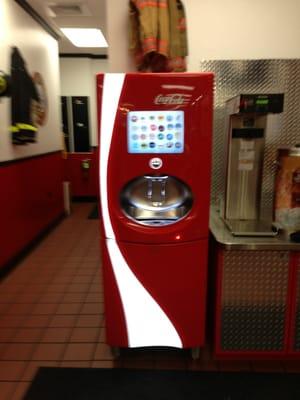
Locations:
31 199
84 183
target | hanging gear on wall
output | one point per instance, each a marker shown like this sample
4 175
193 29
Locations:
158 38
4 84
23 97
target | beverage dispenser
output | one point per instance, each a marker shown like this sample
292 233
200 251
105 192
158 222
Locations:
155 161
246 120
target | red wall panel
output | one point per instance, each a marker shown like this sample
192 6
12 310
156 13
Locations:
31 199
83 182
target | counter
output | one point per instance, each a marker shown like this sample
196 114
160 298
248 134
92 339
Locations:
223 237
256 294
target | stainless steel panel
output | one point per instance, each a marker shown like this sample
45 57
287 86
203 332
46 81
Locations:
253 300
156 200
255 76
243 188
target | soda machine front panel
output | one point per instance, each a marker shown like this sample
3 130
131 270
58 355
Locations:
155 142
133 147
161 300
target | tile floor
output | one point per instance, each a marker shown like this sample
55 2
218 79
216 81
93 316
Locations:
52 314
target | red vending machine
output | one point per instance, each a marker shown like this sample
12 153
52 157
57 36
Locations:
155 165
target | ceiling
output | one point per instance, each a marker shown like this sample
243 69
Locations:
75 14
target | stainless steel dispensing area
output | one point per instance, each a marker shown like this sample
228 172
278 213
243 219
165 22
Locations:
246 127
156 200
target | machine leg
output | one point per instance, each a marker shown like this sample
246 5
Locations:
195 353
116 352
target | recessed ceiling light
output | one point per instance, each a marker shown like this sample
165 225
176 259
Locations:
85 37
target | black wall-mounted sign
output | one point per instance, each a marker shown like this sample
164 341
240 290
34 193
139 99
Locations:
81 128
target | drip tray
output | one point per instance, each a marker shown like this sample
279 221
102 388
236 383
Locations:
156 222
251 228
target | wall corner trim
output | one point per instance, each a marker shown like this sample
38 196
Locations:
27 7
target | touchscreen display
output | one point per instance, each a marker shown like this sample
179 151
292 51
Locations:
155 131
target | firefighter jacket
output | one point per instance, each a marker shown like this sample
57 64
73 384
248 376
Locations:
23 95
158 39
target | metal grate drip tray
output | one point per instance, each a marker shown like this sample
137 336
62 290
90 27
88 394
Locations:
251 228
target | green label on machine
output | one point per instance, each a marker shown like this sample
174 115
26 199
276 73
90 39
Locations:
262 101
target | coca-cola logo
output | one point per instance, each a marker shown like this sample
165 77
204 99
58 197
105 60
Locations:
173 99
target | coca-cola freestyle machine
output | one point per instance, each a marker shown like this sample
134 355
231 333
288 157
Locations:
155 162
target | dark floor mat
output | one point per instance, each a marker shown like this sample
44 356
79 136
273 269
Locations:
133 384
94 214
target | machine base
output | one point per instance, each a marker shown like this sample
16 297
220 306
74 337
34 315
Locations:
170 276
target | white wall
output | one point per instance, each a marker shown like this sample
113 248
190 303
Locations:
219 29
78 75
242 29
78 78
117 13
40 51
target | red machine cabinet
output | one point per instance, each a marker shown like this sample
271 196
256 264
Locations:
155 160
